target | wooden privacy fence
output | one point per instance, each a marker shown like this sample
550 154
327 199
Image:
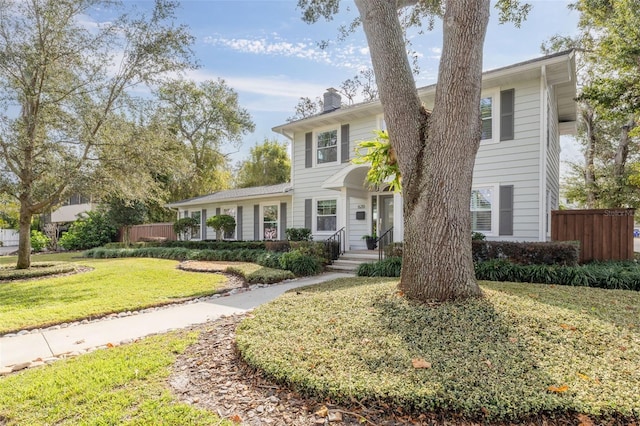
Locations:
605 234
150 232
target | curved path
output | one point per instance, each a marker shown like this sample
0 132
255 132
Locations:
35 348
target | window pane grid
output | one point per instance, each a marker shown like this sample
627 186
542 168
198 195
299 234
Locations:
481 209
326 215
486 108
327 148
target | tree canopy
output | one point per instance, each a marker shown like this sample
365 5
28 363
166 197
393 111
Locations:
63 86
268 164
209 121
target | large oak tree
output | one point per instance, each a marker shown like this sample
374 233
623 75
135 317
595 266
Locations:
62 80
435 150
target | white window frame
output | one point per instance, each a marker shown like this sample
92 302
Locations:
235 216
315 147
494 94
382 124
495 208
197 234
262 206
315 215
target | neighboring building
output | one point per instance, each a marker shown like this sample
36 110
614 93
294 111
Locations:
525 109
71 209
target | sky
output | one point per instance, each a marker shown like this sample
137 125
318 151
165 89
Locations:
270 57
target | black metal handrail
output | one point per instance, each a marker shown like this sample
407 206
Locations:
336 244
384 240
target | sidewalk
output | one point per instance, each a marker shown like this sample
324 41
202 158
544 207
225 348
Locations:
19 352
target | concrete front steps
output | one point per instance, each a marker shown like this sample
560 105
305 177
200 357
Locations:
350 260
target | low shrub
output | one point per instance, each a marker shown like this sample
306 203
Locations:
93 230
478 236
300 264
280 246
527 253
389 267
269 259
39 241
299 234
216 245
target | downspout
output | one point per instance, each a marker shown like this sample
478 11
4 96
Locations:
542 214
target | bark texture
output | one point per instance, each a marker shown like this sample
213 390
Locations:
436 152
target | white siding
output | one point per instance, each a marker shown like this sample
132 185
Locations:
247 214
516 162
308 181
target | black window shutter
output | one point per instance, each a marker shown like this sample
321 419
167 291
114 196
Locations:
283 221
256 222
307 213
344 143
239 224
506 210
217 211
308 150
203 217
507 110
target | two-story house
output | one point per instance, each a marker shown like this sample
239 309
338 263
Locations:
525 108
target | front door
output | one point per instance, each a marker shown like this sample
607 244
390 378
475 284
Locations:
386 214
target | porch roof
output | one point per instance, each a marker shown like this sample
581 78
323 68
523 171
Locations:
235 194
353 176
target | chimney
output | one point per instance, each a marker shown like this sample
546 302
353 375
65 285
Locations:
332 100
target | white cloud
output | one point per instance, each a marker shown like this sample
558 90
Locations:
349 56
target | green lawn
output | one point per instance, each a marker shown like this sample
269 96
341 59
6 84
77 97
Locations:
522 351
115 285
126 385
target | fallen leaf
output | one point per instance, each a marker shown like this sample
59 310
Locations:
335 416
622 348
322 411
420 363
513 339
109 345
488 362
236 418
585 420
583 376
365 341
558 389
568 327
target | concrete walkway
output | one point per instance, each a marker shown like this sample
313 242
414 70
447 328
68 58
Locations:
22 351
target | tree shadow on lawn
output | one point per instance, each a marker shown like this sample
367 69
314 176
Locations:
506 356
477 363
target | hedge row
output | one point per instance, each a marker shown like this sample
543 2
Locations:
296 261
522 253
608 275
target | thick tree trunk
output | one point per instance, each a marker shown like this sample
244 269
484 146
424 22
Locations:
24 241
435 154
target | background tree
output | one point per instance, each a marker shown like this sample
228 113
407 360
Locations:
435 159
61 83
268 164
306 107
223 224
125 213
206 118
609 76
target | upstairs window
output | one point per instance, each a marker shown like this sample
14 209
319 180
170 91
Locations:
486 114
327 147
